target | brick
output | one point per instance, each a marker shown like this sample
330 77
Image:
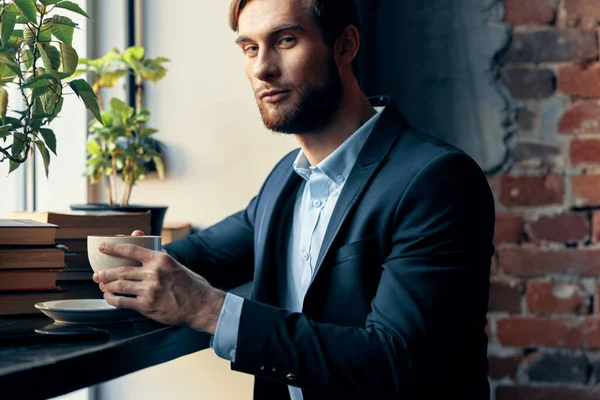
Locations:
527 120
505 296
585 152
597 299
596 370
586 189
579 80
528 12
556 297
531 190
542 331
503 367
591 331
556 367
582 13
552 45
596 226
532 261
520 392
534 154
561 228
508 228
529 83
582 118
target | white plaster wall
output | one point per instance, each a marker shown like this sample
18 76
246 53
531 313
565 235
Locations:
218 154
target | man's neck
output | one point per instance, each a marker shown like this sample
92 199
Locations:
353 112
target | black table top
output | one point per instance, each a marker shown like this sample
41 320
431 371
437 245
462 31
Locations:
45 370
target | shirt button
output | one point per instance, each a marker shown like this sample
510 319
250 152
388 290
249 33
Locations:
340 178
232 354
316 203
305 256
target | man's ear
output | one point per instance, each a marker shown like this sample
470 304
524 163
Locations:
347 46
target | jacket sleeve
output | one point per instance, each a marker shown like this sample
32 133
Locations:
430 305
222 253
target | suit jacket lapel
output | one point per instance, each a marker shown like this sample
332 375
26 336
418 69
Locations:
268 215
380 141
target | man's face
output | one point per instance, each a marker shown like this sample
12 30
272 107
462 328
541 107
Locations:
292 71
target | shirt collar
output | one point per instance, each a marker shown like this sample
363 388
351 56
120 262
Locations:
337 165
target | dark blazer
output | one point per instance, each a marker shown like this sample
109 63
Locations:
398 307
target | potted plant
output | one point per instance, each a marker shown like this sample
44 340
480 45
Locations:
121 149
37 66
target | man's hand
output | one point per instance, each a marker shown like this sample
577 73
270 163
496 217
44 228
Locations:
165 290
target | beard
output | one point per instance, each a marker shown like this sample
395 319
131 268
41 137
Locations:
316 107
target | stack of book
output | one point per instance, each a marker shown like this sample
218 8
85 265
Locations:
75 226
43 255
30 262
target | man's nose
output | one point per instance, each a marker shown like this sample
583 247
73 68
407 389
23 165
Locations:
266 67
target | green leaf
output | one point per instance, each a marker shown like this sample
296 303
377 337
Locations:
8 26
32 36
134 53
107 119
50 56
38 81
3 102
49 2
18 145
85 92
62 28
27 7
93 147
111 78
148 131
38 92
160 167
49 138
57 108
70 59
13 66
13 166
28 59
117 105
45 154
69 5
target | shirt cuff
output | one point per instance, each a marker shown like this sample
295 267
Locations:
224 341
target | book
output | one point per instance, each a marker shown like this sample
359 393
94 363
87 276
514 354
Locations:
74 245
23 302
22 257
81 224
175 230
21 232
43 279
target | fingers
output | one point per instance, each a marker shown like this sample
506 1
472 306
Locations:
137 233
121 273
123 287
126 250
121 301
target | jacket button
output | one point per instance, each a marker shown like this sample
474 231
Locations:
273 369
262 367
290 377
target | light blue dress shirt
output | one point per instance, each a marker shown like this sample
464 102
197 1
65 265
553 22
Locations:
312 212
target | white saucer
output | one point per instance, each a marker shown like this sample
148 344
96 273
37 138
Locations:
84 311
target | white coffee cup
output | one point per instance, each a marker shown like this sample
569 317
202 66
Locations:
100 261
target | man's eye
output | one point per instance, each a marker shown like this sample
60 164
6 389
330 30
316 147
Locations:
250 49
287 41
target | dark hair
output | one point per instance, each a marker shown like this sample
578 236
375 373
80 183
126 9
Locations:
332 17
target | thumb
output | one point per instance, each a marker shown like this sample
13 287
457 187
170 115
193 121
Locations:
137 233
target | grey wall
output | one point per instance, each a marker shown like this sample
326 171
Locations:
437 59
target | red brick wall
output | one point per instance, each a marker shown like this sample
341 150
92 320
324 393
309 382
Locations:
544 309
